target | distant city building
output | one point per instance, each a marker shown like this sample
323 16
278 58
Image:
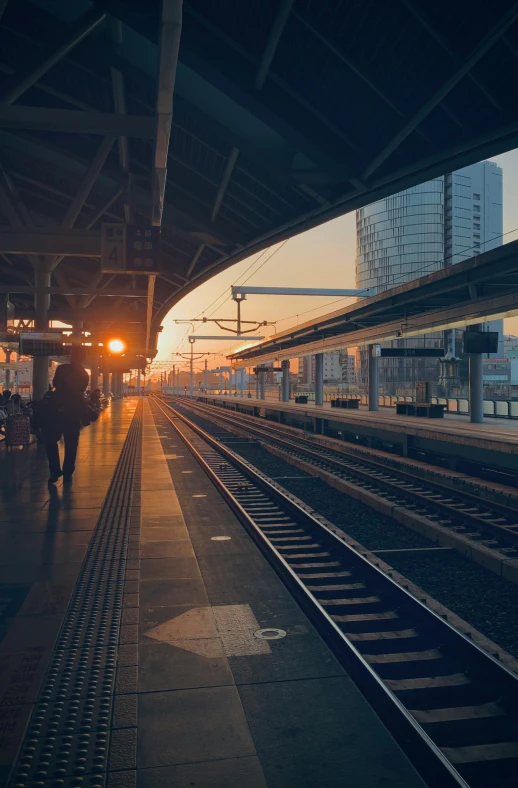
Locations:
500 371
510 346
338 368
419 231
348 364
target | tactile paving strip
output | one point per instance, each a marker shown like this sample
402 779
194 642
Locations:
67 738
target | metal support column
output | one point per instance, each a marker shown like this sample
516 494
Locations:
139 383
191 372
205 378
7 384
373 379
77 332
285 365
220 383
476 384
319 378
243 382
40 368
106 381
94 372
257 385
262 384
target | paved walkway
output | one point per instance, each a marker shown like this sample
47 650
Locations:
130 636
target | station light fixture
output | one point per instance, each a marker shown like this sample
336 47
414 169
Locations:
116 346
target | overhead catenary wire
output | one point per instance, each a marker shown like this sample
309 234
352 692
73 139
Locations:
427 267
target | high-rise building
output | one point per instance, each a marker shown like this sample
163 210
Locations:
419 231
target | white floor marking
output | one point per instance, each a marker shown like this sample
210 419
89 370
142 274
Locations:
210 632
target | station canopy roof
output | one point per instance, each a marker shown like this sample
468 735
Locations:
286 113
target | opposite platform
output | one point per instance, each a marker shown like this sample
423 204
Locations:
495 442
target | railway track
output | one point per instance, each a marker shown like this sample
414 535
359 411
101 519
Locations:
465 520
451 705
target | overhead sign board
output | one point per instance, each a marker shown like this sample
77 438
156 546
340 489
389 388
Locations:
33 343
113 248
480 342
142 248
412 352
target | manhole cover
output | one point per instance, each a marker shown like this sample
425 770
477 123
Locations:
220 538
270 634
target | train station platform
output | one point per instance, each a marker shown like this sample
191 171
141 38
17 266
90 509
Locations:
131 646
492 443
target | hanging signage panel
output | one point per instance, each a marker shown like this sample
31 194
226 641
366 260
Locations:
412 352
113 248
142 248
35 343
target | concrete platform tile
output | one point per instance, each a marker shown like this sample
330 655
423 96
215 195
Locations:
60 525
178 591
205 545
157 533
31 631
181 548
157 568
183 664
300 654
230 773
59 540
239 578
28 573
162 521
46 554
189 726
48 597
21 674
321 732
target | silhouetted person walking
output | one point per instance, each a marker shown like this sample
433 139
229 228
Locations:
65 413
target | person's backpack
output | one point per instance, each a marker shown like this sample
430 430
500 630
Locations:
17 429
46 411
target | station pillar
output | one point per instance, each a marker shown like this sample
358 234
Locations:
94 372
257 385
476 383
285 365
106 381
7 384
373 379
221 383
262 384
319 379
40 364
243 381
139 382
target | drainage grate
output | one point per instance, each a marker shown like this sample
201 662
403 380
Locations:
67 738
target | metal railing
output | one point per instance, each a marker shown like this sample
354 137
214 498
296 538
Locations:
493 408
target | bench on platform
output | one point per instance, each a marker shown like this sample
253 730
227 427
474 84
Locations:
425 410
301 400
349 404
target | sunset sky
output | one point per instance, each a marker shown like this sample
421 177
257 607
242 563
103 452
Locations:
323 257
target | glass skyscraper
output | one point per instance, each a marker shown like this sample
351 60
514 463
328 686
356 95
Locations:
419 231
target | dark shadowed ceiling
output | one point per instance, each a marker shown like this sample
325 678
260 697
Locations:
286 113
